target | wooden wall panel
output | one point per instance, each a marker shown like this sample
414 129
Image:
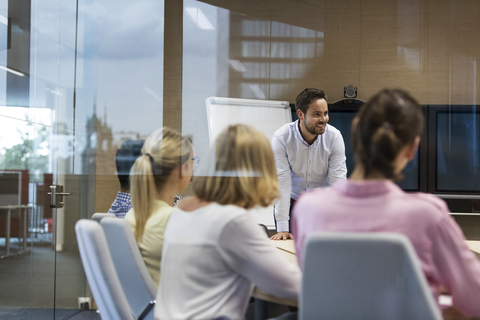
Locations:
173 65
428 47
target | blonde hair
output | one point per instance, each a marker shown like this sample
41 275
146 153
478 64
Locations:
163 151
243 172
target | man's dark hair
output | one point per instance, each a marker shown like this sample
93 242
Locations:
307 96
126 155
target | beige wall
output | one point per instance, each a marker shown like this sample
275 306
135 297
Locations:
428 47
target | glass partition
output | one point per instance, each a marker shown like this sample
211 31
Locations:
77 79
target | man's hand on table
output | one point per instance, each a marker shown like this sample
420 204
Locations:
282 236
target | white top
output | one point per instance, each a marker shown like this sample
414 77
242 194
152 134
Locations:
211 257
302 167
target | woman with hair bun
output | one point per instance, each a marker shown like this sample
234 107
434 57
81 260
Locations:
213 249
164 169
385 135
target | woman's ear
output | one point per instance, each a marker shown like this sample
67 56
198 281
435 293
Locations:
412 148
179 172
183 170
354 124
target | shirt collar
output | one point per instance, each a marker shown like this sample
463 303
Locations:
365 188
300 137
123 196
161 203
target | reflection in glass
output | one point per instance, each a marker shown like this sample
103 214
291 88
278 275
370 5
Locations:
458 146
241 57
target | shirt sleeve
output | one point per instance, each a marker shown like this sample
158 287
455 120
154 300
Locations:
284 173
458 268
247 250
337 167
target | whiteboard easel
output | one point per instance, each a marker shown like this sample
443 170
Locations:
266 116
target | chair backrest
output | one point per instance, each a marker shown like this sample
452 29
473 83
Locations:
364 276
99 216
132 272
264 227
100 272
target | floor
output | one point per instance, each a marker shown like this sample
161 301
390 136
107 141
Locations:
44 314
33 284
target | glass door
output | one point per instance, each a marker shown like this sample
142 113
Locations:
77 79
44 141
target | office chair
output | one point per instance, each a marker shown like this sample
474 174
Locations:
136 282
372 276
264 227
99 216
100 272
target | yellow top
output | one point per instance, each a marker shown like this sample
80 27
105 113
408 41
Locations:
152 240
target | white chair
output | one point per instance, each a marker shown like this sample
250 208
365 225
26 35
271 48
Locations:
101 275
137 283
99 216
371 276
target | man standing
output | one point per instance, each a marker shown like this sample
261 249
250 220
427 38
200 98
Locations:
309 153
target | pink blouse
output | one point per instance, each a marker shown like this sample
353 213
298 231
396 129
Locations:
381 206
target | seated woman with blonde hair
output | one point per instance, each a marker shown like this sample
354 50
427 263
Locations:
213 249
386 134
164 169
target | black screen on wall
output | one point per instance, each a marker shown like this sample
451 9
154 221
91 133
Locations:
457 149
342 120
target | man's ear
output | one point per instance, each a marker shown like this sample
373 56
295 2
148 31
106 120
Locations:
354 124
300 114
411 150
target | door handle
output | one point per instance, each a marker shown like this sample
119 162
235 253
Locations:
56 196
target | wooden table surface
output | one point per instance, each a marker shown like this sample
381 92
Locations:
474 246
288 249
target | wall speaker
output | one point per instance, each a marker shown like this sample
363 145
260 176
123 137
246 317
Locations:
350 92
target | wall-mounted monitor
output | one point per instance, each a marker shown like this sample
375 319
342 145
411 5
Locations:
341 118
454 133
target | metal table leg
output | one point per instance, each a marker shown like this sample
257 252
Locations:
261 309
25 231
7 236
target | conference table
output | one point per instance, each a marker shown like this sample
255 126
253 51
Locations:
474 246
22 211
287 247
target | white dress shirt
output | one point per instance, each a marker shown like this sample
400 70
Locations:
301 166
211 257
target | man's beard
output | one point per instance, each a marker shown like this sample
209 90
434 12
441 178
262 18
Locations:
312 130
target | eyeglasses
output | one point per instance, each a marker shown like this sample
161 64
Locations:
196 160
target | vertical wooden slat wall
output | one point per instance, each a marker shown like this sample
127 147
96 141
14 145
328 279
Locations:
172 66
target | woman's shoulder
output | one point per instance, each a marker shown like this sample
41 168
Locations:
214 214
161 212
224 212
428 200
130 216
193 204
